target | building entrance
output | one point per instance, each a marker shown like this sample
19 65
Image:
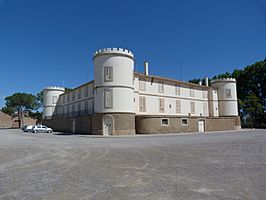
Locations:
108 125
201 127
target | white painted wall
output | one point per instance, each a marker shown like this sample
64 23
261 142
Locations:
152 96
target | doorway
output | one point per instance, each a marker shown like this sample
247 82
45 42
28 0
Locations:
108 124
201 127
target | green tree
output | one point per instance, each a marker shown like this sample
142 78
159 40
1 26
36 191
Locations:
22 102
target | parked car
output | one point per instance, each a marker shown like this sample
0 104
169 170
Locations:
41 129
27 128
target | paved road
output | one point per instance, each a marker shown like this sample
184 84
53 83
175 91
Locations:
199 166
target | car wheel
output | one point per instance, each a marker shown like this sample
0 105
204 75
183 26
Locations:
35 131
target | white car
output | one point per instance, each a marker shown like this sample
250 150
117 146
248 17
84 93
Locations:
41 129
28 128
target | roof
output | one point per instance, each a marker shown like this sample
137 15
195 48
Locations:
159 78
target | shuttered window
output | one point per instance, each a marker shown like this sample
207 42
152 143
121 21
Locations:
108 99
108 73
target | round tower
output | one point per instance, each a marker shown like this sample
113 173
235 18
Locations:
50 98
227 96
114 89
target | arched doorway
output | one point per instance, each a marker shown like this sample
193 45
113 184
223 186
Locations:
108 124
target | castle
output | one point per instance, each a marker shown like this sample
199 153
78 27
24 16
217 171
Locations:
120 101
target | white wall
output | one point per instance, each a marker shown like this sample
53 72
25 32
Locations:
152 96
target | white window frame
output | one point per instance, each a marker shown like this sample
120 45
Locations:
108 99
108 74
163 119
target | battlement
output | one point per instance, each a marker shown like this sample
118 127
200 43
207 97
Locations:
121 51
54 88
223 80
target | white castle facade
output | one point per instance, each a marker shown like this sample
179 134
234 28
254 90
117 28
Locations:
121 101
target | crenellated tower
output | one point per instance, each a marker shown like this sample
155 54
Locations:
114 89
50 98
227 96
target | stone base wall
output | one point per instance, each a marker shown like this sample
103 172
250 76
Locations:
5 120
129 124
124 123
70 125
152 124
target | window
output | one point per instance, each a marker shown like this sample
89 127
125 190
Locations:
184 122
142 104
164 122
108 74
160 87
73 108
54 100
192 107
161 105
177 90
79 108
68 97
178 106
79 94
73 96
204 94
228 93
86 91
108 99
64 99
86 107
142 85
205 108
192 93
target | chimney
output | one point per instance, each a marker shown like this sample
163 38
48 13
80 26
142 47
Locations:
207 81
146 68
200 82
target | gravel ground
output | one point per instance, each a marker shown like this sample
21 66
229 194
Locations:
224 165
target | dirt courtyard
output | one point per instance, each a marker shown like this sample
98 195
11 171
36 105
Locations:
224 165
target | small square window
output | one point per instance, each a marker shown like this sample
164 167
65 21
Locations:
164 122
184 122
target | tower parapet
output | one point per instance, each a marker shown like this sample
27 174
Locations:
50 98
227 96
113 51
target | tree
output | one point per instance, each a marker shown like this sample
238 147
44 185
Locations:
21 102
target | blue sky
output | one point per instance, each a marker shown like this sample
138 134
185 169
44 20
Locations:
51 42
